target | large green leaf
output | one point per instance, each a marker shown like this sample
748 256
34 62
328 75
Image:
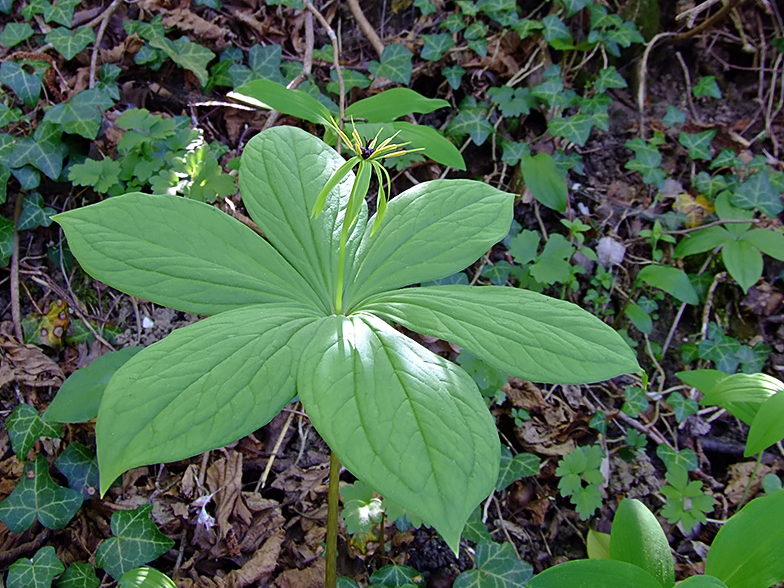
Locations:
180 253
768 241
743 261
283 170
136 541
459 221
767 427
36 496
391 104
269 94
37 572
637 538
544 181
523 333
594 573
408 423
202 387
80 395
702 582
746 552
146 578
701 241
670 279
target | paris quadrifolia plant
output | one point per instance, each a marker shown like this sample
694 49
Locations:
309 310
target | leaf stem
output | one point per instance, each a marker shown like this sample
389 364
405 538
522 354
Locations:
331 575
341 267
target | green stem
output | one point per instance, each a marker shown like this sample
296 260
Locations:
751 482
341 267
331 575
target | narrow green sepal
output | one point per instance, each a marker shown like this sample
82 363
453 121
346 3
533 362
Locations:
336 178
381 200
358 193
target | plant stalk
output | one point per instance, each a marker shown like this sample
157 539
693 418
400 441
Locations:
331 575
341 268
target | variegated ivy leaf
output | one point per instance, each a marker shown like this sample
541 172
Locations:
758 192
515 467
263 64
34 213
471 120
44 150
395 64
16 32
61 12
79 575
189 55
698 144
434 46
575 128
26 85
36 496
395 575
136 541
497 566
37 572
80 467
25 427
70 43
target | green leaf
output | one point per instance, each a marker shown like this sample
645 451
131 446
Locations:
36 496
636 401
270 94
180 253
640 319
393 576
512 102
188 55
743 262
264 64
351 79
555 29
82 114
673 116
597 545
6 240
136 541
15 32
706 86
459 221
283 170
767 427
514 468
204 386
576 128
34 213
685 458
25 85
683 407
61 12
746 550
609 78
475 530
550 91
497 566
514 152
80 467
701 241
541 176
426 7
471 120
768 241
523 333
594 573
438 457
702 582
395 64
7 117
101 175
497 273
37 572
686 504
70 43
722 350
436 146
757 192
394 103
670 279
145 578
574 6
44 150
454 75
698 144
25 427
434 46
78 575
361 510
637 538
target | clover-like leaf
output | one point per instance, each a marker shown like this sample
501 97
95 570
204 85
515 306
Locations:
514 468
136 541
395 64
37 572
497 566
686 502
80 467
102 174
79 575
36 496
70 43
25 427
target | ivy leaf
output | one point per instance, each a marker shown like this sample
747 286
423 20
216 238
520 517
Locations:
514 151
80 467
555 29
513 468
726 158
497 566
723 351
6 241
434 46
393 576
136 541
426 7
512 102
454 75
15 32
395 64
8 116
25 85
34 213
70 43
757 192
475 530
37 572
351 79
707 86
609 78
685 458
550 91
36 496
646 161
471 120
43 150
79 575
684 407
636 401
625 35
673 116
574 6
25 427
698 144
61 12
189 55
498 274
576 128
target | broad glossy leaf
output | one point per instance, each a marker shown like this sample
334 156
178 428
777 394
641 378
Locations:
544 181
594 573
743 261
597 544
701 241
204 386
670 279
80 395
37 572
80 467
767 427
740 394
702 582
497 566
746 552
78 575
458 220
768 241
515 467
269 94
136 541
36 496
25 427
637 538
394 103
640 319
146 578
523 333
180 253
408 423
283 170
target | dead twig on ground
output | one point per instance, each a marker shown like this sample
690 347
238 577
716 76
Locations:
364 25
103 19
16 313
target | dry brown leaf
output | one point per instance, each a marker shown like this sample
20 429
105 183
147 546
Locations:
224 479
182 18
547 432
308 483
26 364
261 566
263 525
740 475
312 577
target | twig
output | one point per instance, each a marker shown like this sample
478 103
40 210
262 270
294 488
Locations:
104 20
16 313
278 443
335 60
717 279
708 23
687 78
643 75
365 26
503 526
